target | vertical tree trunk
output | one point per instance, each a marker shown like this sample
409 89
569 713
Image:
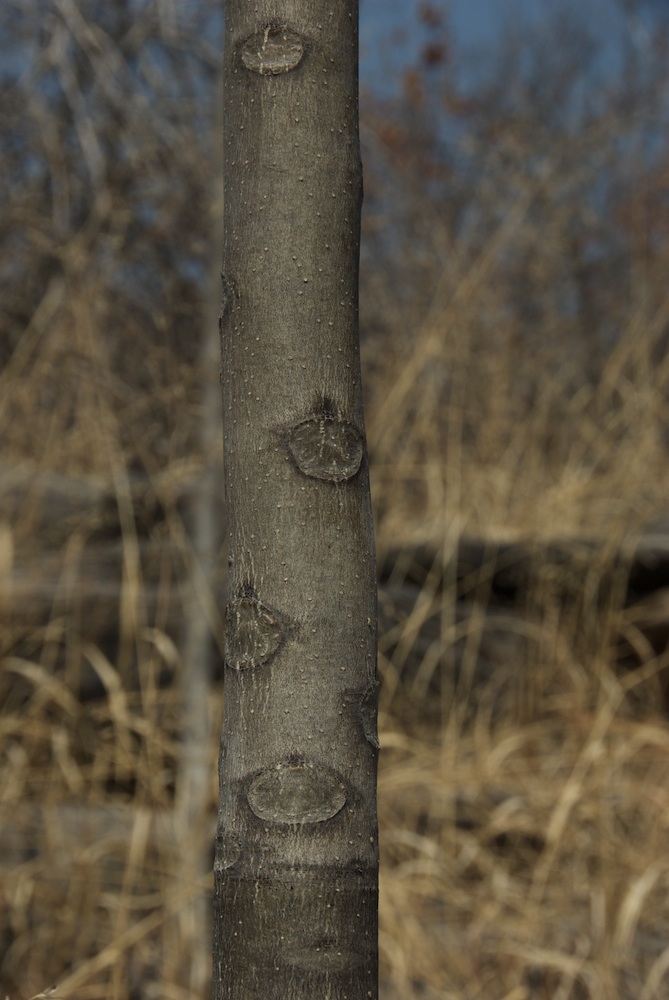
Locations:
296 848
193 779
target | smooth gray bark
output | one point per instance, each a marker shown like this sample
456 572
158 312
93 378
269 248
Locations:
296 848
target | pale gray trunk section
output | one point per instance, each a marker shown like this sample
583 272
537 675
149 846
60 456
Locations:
193 779
296 852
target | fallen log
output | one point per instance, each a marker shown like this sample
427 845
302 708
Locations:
78 578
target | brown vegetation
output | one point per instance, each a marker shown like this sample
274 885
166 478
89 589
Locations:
515 310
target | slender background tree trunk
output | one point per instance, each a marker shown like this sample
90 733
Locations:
193 782
296 849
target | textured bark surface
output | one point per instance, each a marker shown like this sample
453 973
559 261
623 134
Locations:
296 849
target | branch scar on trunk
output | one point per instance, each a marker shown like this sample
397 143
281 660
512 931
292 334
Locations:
253 633
324 447
296 794
272 51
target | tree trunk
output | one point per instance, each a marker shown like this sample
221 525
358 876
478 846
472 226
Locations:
193 779
296 849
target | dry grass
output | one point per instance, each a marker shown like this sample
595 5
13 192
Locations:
523 774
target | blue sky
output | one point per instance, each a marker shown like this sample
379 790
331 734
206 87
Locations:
475 26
